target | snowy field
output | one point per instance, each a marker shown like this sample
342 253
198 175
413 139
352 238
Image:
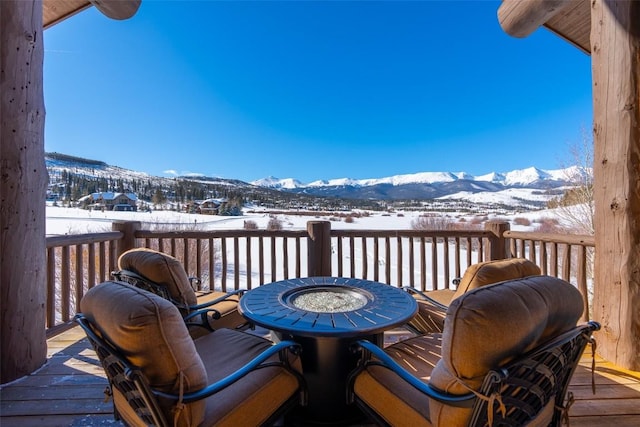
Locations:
61 221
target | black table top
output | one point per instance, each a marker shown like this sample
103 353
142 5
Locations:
386 307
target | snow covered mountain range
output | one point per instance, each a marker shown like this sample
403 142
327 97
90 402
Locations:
520 177
530 184
530 187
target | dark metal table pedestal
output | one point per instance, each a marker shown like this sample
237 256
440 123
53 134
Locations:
326 363
362 309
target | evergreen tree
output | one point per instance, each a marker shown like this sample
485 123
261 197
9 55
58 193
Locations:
158 197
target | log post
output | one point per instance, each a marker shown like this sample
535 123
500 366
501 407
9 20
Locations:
319 248
497 247
128 241
615 39
22 190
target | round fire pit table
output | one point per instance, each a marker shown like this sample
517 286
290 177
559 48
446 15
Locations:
325 315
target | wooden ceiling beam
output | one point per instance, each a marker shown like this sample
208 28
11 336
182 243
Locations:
55 11
520 18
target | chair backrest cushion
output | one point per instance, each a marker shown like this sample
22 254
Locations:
150 332
488 272
489 326
162 269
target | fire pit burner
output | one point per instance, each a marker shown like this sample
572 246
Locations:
325 299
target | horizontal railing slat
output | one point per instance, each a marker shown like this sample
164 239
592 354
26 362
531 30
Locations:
570 239
79 239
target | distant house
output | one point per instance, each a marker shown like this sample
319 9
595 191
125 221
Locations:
109 201
208 206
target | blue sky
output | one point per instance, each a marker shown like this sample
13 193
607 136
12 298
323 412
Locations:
313 90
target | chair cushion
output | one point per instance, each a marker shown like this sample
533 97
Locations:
162 269
388 395
489 326
151 334
430 318
443 296
228 309
488 272
251 400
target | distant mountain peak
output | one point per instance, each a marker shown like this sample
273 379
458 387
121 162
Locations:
276 183
525 176
490 177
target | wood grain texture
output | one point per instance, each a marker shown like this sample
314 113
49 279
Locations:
616 100
520 18
22 189
56 11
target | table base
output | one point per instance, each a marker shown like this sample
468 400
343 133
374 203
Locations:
326 364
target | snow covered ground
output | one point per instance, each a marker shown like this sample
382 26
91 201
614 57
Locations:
61 220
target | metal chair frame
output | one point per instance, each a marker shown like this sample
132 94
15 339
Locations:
143 399
189 312
525 385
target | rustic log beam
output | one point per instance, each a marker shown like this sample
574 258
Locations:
520 18
22 190
615 36
117 9
55 11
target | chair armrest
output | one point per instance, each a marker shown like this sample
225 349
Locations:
203 318
256 362
195 283
202 313
220 299
425 297
386 361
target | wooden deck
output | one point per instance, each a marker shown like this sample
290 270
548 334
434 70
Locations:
68 391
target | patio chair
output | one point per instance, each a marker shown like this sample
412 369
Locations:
505 358
165 276
158 375
432 306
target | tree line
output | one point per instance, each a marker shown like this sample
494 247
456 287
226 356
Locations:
67 187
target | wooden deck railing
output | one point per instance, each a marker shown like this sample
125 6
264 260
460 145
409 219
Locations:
242 259
74 264
233 259
569 257
423 259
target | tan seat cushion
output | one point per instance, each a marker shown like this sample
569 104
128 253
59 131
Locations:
430 318
388 395
228 309
443 296
162 269
151 333
252 399
489 326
